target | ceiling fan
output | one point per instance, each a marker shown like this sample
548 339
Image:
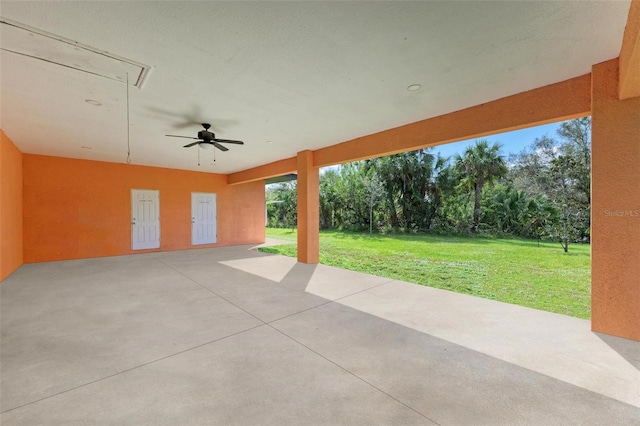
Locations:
206 138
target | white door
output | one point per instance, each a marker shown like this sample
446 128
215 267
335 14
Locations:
203 218
145 219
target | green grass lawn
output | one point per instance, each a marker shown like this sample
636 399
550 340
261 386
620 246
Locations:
509 270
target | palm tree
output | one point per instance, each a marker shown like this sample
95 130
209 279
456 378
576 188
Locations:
481 164
387 169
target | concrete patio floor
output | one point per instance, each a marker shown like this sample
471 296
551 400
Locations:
234 336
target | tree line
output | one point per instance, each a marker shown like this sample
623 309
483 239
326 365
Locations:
542 192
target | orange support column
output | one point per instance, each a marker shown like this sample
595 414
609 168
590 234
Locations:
615 207
308 209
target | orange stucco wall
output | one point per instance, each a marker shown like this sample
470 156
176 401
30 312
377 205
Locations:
277 168
615 207
10 207
79 209
556 102
629 76
308 209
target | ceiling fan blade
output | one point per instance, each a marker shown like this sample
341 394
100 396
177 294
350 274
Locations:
176 136
220 147
229 141
191 144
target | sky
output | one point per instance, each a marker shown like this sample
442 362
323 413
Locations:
511 142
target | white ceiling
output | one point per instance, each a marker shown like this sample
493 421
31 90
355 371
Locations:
302 75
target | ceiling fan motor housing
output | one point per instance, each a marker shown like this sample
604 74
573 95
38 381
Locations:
204 135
